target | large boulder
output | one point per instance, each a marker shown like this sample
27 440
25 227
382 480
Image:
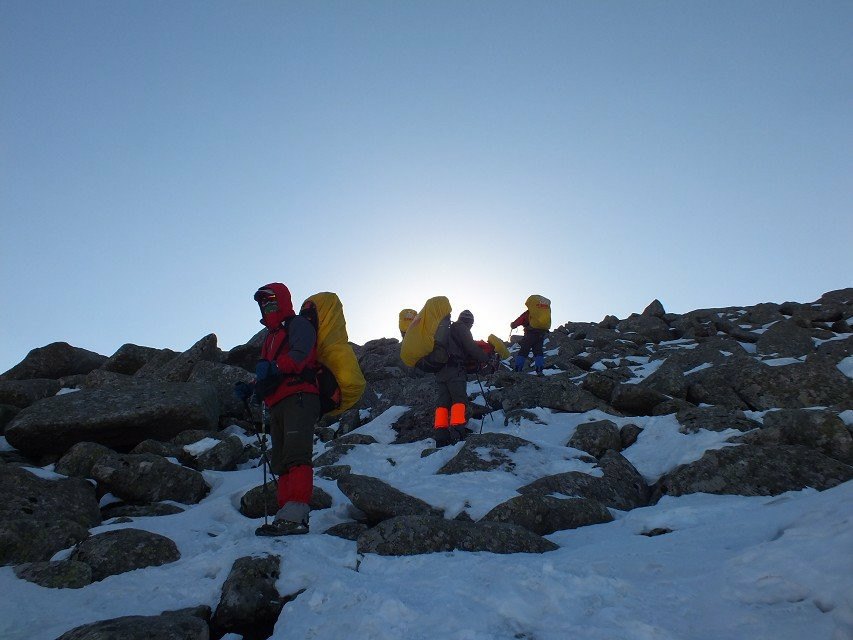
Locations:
823 431
750 470
122 550
116 418
80 459
544 514
55 360
620 487
250 604
22 393
130 358
412 535
596 438
177 625
380 501
222 377
179 368
62 574
552 392
145 478
252 504
785 339
645 328
486 452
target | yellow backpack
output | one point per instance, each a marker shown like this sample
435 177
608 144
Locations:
406 317
425 343
539 308
500 347
340 379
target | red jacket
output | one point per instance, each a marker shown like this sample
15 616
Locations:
521 321
296 359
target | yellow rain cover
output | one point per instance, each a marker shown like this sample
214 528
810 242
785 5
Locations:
334 350
420 336
540 312
500 347
406 317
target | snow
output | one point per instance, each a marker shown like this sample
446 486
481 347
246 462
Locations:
704 365
733 566
846 366
749 347
4 445
65 390
643 371
781 362
198 448
847 417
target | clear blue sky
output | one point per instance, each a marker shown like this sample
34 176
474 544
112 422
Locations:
161 160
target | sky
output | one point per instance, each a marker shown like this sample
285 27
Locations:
159 161
732 567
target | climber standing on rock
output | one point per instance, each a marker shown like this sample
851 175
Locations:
536 321
286 382
452 383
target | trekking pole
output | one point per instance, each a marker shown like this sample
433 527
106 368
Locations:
261 437
483 391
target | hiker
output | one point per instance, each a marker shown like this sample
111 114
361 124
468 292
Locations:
452 384
286 382
535 329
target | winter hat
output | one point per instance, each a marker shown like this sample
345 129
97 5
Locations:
466 317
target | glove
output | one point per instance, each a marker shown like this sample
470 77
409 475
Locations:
243 390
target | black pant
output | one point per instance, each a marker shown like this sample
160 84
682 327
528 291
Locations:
292 429
533 339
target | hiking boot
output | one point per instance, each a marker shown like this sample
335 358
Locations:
460 433
282 528
442 438
539 373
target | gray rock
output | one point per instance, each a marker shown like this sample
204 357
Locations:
221 457
596 437
130 358
636 400
145 478
246 355
120 510
552 392
334 472
714 419
820 430
80 459
486 452
785 339
168 626
64 574
7 412
543 514
646 328
122 550
35 540
23 393
749 470
602 383
55 360
347 530
164 449
332 455
252 502
116 418
380 501
222 377
628 435
250 604
621 486
655 309
27 496
179 368
412 535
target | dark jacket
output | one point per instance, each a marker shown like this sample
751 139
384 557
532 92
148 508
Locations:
461 346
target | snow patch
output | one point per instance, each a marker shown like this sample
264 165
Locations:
846 366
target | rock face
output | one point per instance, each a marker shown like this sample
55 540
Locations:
543 514
116 418
168 626
250 604
380 501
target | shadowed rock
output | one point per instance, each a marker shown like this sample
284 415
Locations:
380 501
80 459
116 418
115 552
749 470
486 452
596 437
144 478
543 514
252 502
64 574
412 535
54 361
250 604
167 626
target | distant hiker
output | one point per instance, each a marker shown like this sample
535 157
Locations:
406 317
536 322
452 384
286 381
